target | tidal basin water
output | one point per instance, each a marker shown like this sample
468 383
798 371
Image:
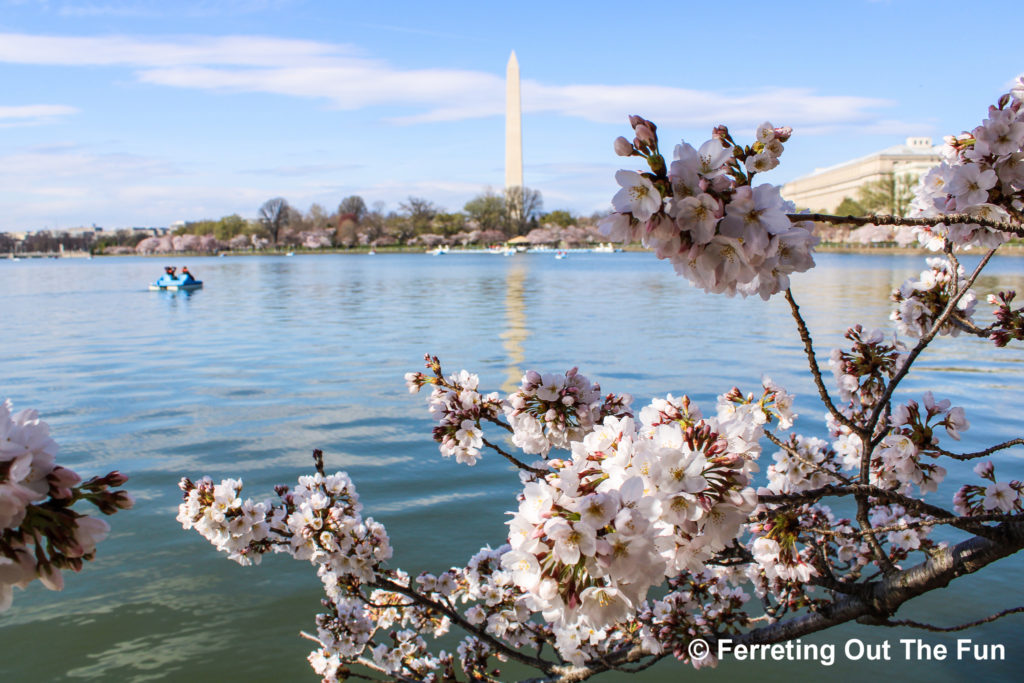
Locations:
277 356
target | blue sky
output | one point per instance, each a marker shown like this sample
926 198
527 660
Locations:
147 112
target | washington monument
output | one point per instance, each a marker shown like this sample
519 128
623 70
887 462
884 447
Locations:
513 126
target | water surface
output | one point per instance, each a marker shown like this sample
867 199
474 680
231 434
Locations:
277 356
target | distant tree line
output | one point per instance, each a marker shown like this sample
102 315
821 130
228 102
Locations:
488 218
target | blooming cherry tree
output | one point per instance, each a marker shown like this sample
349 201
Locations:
639 529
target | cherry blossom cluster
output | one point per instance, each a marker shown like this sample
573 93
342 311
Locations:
703 214
997 497
805 463
786 552
553 410
696 604
920 302
862 372
458 408
1009 322
40 533
981 175
634 505
319 520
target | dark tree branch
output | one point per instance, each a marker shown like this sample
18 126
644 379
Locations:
915 352
950 629
981 454
515 461
951 219
812 361
499 646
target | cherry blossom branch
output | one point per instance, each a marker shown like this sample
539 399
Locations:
951 219
903 526
950 629
812 361
970 524
981 454
799 456
515 461
912 356
884 597
448 611
864 520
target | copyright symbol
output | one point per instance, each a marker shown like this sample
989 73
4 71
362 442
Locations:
698 649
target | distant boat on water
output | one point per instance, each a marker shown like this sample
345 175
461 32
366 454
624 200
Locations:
438 251
168 282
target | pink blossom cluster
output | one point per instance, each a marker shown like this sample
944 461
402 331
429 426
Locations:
982 175
319 521
635 504
920 302
553 410
997 497
1009 322
458 408
40 532
704 215
862 372
696 604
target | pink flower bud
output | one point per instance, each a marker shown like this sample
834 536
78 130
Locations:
623 147
783 134
63 477
116 478
645 134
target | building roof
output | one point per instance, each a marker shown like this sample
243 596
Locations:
915 146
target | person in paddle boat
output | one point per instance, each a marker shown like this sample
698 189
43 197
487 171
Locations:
186 275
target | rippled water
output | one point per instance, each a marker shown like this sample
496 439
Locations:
277 356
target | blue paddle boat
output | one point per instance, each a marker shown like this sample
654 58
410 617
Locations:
170 282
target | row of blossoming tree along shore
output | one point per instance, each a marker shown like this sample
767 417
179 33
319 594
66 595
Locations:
617 502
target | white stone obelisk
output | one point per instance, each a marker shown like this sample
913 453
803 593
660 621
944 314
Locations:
513 126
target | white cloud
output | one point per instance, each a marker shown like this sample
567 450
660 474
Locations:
33 114
346 79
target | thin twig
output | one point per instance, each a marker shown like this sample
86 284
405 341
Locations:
799 456
903 526
812 361
914 353
981 454
949 629
916 505
515 461
535 662
951 219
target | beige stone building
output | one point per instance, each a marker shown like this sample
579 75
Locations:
825 189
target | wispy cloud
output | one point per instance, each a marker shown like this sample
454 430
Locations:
303 170
33 114
344 77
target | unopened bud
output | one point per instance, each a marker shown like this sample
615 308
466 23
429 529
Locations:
62 477
645 134
623 147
